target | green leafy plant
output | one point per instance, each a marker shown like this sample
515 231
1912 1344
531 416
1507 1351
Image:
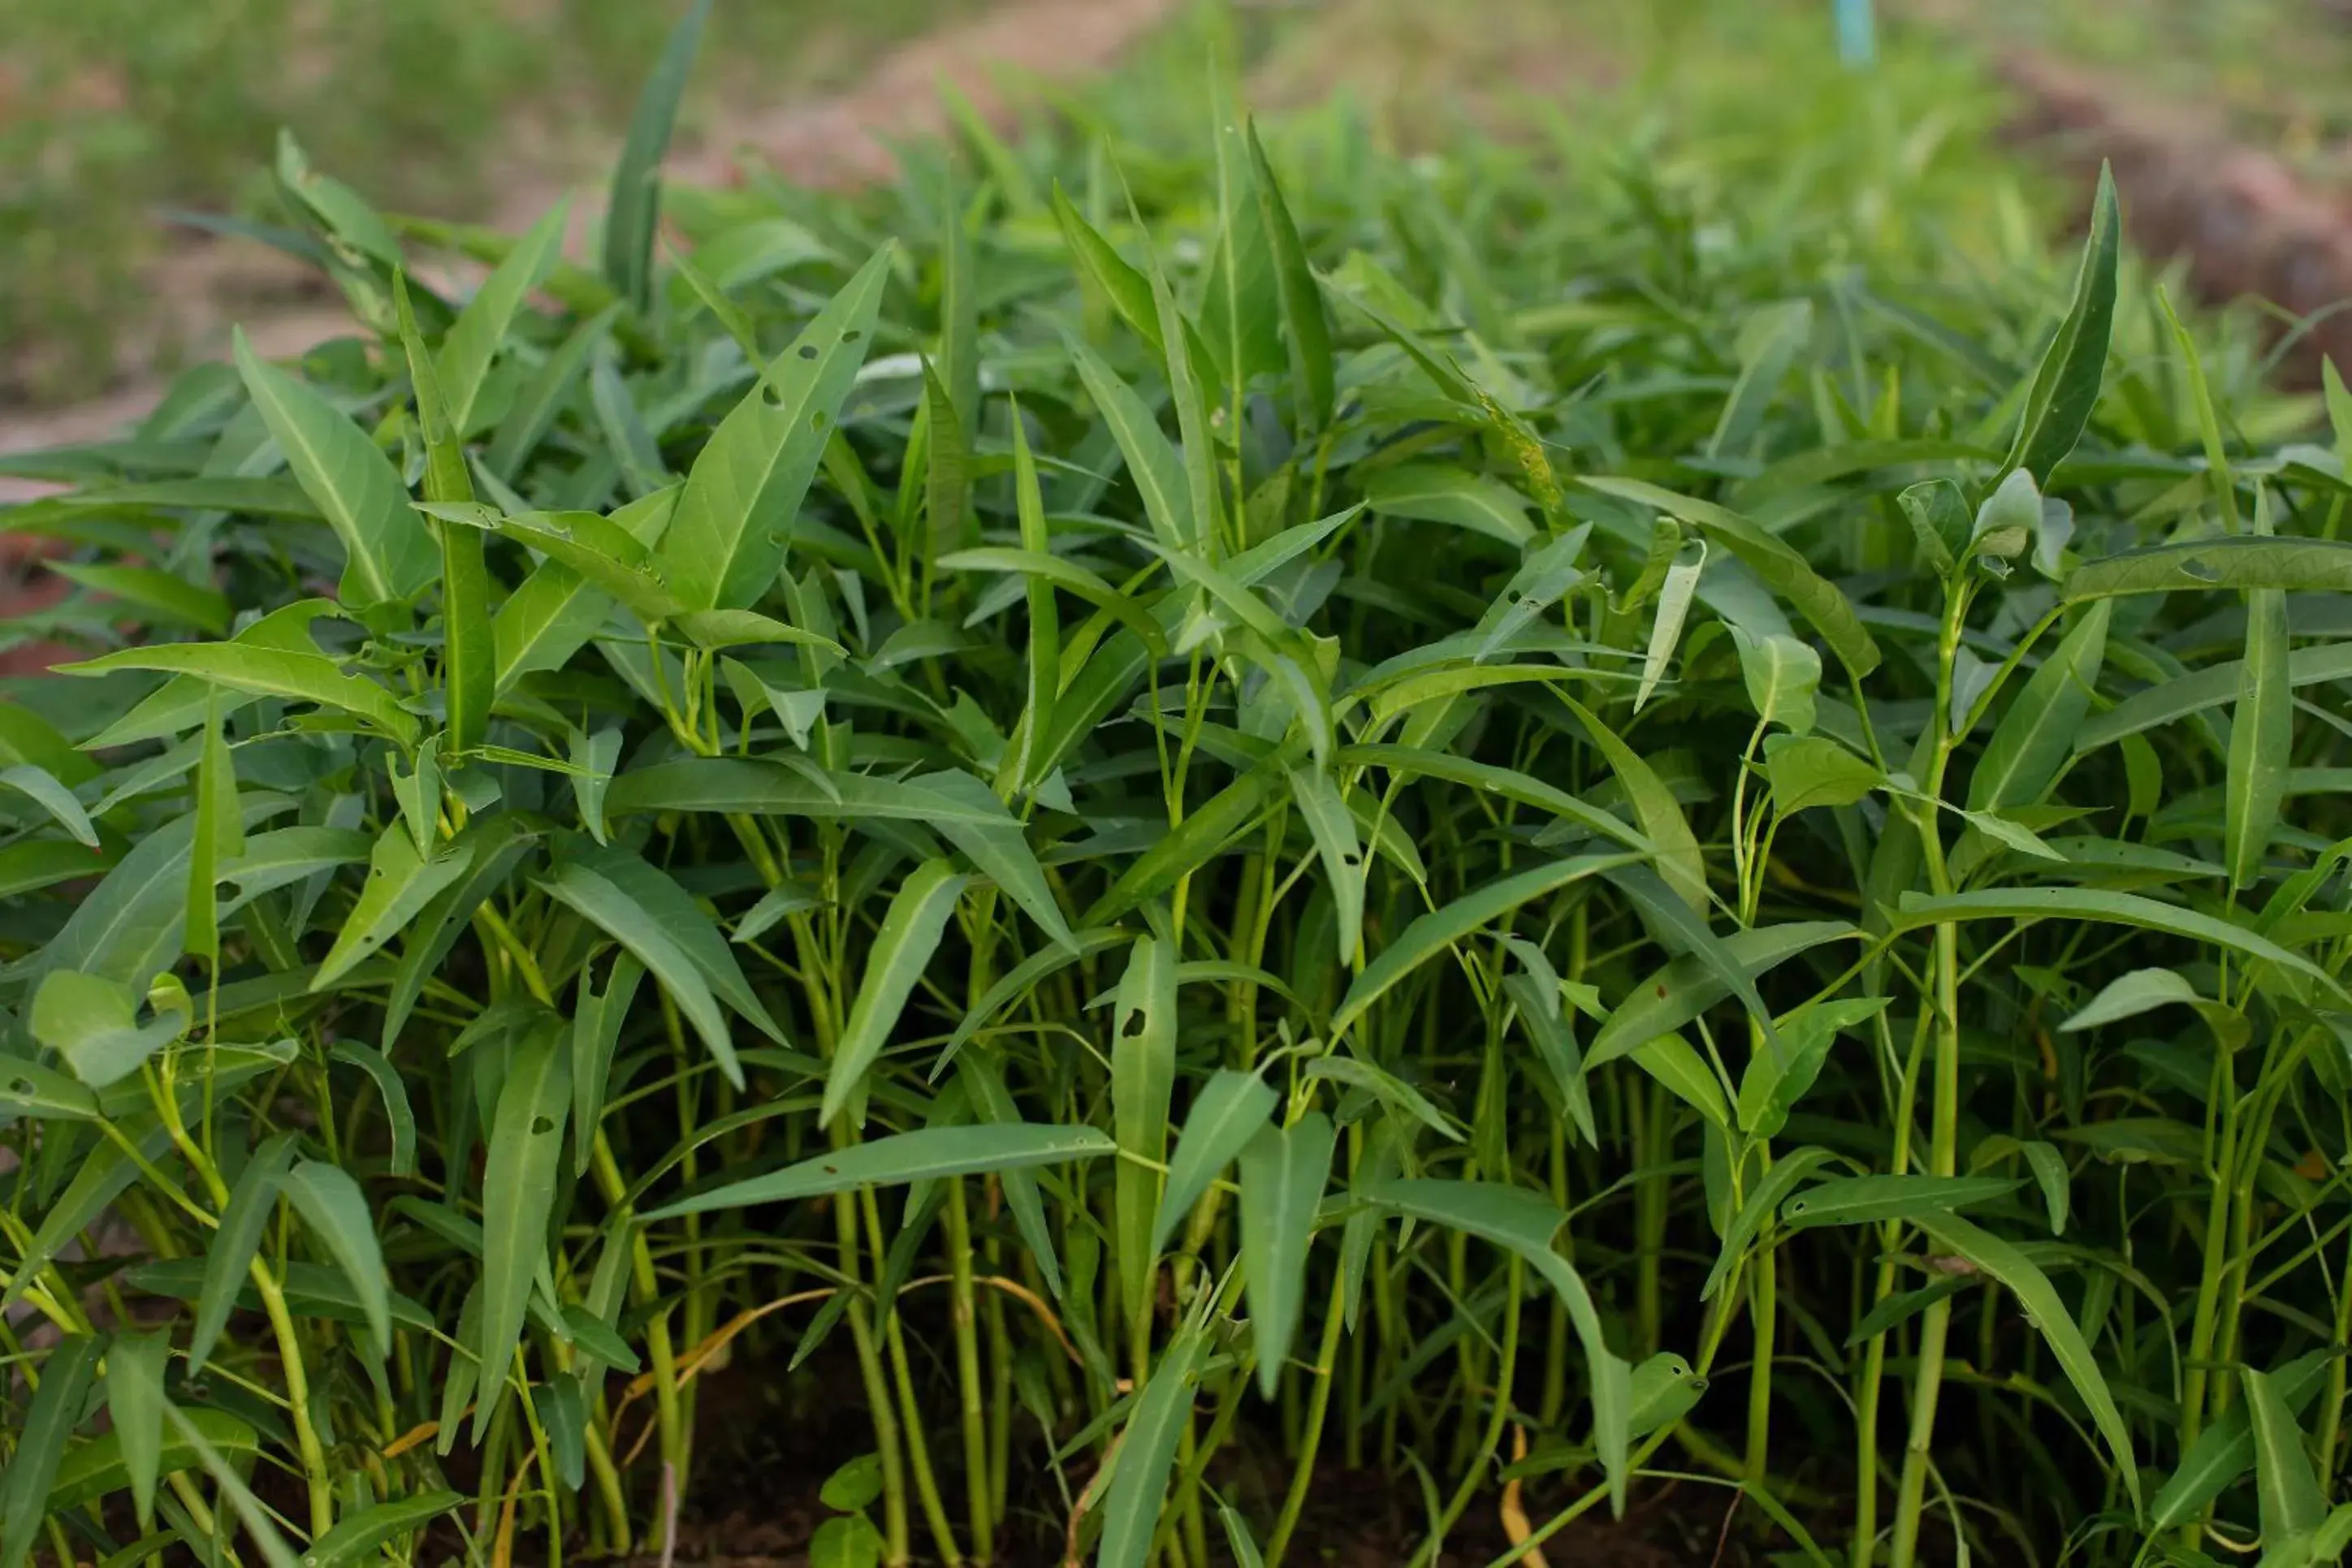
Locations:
1188 820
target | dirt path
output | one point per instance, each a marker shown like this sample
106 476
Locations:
2248 221
833 142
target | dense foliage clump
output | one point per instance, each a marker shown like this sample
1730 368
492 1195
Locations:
1185 818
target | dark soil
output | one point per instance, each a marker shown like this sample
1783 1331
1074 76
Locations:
767 1438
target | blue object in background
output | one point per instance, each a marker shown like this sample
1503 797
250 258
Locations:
1857 32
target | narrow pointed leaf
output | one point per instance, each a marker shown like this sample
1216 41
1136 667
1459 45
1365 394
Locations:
910 933
517 1197
1281 1171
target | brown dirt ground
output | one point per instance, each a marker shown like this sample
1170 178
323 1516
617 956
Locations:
2249 222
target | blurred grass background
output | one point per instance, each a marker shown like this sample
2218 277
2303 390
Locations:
113 110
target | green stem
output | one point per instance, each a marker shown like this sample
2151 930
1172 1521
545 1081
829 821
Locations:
1484 1458
319 1478
964 1316
1763 1302
1874 1375
919 1448
1302 1475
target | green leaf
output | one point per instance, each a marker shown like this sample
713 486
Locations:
1782 675
99 1468
1438 930
1021 772
1939 521
1917 910
1775 1082
2065 388
160 593
857 1484
598 900
469 652
104 1176
130 928
2130 995
1678 860
607 555
1099 262
682 921
1679 1068
331 1205
387 553
1203 533
1543 580
265 672
992 1101
42 1094
2210 687
1333 829
1867 1199
597 1023
742 500
2048 1313
846 1542
1770 341
1433 494
1142 1083
1687 931
56 1409
1508 783
1810 770
237 1243
183 702
1229 1110
1145 1453
634 210
1283 1171
1308 328
361 1536
1525 1223
715 629
30 864
1664 1388
399 884
1673 607
518 1198
928 1153
1783 570
135 1365
910 934
495 846
219 836
2289 1500
399 1118
2225 1450
1387 1088
535 408
559 607
480 331
2244 562
1761 1204
249 1508
2261 739
2036 736
1242 305
93 1023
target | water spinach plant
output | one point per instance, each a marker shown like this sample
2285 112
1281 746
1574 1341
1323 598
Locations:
1188 820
